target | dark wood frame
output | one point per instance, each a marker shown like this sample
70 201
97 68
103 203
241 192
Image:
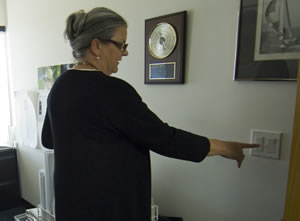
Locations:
178 21
248 69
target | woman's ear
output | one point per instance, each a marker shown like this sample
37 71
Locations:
96 47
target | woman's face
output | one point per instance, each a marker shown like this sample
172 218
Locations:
112 54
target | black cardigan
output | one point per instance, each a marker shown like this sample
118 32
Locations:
102 132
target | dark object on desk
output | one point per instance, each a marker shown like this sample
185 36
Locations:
9 178
9 214
166 218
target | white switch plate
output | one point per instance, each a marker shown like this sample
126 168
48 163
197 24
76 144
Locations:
269 143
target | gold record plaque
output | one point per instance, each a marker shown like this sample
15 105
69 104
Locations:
162 40
165 49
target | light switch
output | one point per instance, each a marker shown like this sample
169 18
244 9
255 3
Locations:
260 141
269 143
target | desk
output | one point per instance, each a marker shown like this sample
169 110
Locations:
9 178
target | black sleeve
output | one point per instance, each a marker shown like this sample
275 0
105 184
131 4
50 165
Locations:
131 116
46 133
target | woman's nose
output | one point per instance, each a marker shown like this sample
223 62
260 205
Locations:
125 53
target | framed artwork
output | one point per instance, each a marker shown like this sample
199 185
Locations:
268 46
165 49
47 75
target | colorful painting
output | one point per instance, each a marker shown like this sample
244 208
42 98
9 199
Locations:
47 75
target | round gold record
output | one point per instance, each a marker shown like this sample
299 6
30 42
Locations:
162 40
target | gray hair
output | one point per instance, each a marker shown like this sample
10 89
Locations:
81 28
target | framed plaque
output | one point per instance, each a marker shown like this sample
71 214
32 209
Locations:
165 49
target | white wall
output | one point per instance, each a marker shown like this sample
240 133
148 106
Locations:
2 13
209 103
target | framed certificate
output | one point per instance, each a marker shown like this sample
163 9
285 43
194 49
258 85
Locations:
165 49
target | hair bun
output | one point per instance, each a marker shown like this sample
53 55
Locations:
75 24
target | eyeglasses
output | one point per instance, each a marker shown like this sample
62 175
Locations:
122 46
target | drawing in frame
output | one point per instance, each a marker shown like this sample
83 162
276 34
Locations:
165 49
263 51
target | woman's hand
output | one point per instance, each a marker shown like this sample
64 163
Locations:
229 149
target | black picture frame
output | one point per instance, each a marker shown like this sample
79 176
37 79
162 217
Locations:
168 70
246 68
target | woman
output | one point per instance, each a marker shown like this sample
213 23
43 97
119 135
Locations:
102 132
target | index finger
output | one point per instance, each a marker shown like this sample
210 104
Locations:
250 145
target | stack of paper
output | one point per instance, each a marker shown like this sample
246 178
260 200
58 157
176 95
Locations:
42 188
49 178
32 214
